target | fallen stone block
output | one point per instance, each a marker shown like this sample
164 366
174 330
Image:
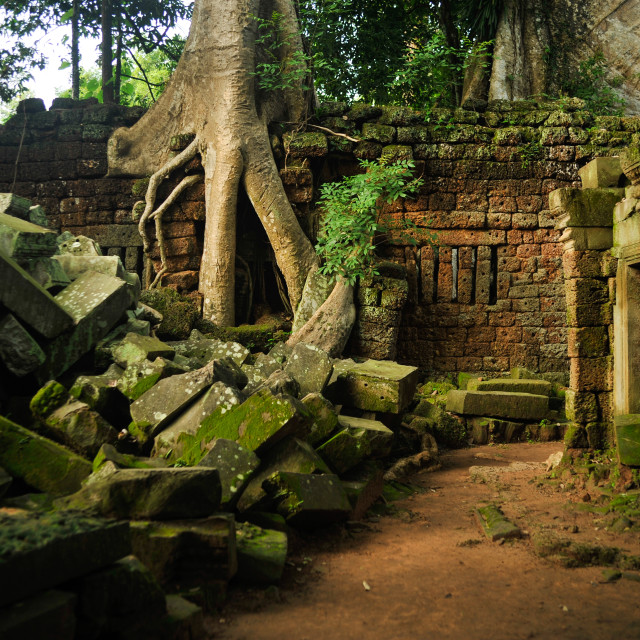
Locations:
96 302
363 485
20 353
75 265
154 494
280 382
374 385
77 426
163 401
262 554
308 501
140 377
30 302
325 418
108 453
168 443
16 206
498 404
601 173
47 616
206 349
47 272
184 619
486 430
257 424
627 429
123 598
310 366
535 387
40 462
359 439
77 245
186 554
103 352
136 348
235 465
43 550
292 455
102 395
21 239
494 524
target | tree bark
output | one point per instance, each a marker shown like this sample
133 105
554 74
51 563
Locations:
213 95
75 51
107 52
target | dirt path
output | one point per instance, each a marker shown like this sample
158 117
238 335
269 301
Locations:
433 575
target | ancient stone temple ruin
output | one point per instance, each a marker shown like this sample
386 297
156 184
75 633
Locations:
505 311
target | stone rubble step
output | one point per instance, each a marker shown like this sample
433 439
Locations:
498 404
360 438
373 385
20 353
535 387
495 525
262 554
308 500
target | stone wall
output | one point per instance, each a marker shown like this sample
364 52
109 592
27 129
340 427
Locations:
485 276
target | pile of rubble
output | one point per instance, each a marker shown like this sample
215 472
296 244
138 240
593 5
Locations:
204 453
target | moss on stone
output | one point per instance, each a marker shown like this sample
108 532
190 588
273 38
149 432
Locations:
42 463
179 313
575 437
306 144
140 186
362 111
52 396
396 152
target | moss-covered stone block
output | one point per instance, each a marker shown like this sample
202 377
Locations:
108 453
495 525
374 385
310 144
359 439
47 399
498 404
308 501
262 554
187 554
575 437
152 493
537 387
396 152
400 116
585 207
40 462
627 428
39 551
325 418
257 424
179 313
291 455
236 467
361 111
136 348
367 150
378 132
581 406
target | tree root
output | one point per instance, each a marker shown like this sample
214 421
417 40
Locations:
150 200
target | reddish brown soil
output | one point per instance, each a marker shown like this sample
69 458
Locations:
432 573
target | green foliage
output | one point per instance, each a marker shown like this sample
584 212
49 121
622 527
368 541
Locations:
430 71
351 216
281 71
529 152
143 79
594 84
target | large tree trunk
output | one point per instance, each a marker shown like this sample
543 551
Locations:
213 95
75 51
